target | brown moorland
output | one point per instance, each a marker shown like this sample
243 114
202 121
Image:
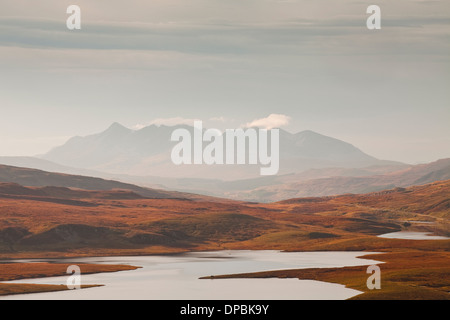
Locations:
90 223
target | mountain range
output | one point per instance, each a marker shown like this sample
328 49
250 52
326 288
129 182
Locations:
311 164
146 152
310 183
343 181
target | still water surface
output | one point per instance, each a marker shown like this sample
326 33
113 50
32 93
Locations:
412 235
176 277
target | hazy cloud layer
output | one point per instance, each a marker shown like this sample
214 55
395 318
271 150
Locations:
300 37
148 61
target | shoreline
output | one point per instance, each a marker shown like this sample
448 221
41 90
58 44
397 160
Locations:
39 270
95 269
406 263
403 276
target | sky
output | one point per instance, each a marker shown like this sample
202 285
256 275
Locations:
298 64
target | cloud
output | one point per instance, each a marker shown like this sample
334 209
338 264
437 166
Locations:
166 122
283 36
219 119
272 121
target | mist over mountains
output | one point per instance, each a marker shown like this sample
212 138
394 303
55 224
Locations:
146 152
311 165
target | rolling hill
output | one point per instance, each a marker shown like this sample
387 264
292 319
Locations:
306 185
39 178
55 221
309 183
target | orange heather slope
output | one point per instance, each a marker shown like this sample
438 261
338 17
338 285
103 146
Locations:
62 221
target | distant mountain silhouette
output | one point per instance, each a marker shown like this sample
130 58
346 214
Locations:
305 185
311 165
146 152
